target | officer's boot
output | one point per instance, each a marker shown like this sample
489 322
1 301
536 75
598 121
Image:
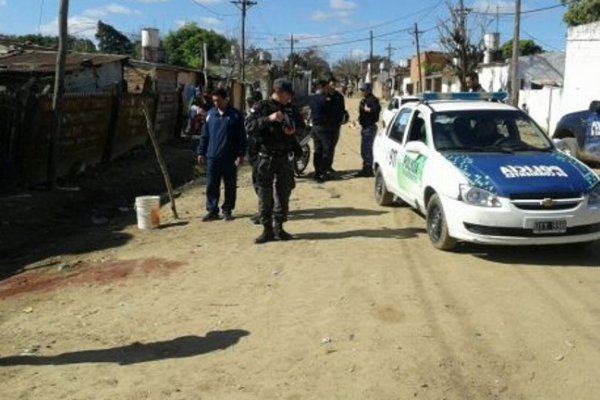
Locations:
266 235
280 233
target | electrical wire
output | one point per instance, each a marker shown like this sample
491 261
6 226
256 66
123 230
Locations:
40 19
522 12
197 2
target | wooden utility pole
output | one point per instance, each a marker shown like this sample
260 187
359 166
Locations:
57 98
515 84
291 66
205 64
417 33
243 5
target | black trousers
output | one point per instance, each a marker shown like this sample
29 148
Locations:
275 179
335 138
324 145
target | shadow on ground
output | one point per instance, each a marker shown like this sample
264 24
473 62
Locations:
38 224
181 347
384 233
564 255
332 212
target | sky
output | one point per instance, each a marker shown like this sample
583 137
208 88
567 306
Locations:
339 28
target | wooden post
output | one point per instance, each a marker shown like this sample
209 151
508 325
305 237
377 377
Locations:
159 157
57 99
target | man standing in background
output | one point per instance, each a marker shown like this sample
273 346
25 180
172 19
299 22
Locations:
338 113
368 115
221 148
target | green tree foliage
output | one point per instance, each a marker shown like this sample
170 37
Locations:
111 41
183 47
51 42
526 47
581 12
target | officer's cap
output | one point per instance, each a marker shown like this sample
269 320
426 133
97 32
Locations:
283 85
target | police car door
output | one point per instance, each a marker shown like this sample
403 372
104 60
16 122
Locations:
411 162
393 147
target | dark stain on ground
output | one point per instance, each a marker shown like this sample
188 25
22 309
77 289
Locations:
85 273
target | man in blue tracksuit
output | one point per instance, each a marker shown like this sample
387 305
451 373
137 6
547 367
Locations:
221 148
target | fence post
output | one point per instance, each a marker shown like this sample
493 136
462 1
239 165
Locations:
115 103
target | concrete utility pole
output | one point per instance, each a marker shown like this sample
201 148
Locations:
389 49
369 78
57 98
292 41
514 67
463 46
243 5
417 33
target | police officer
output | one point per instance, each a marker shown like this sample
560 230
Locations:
368 115
338 111
273 123
321 114
255 97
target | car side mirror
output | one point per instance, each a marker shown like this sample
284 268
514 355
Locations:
595 106
416 146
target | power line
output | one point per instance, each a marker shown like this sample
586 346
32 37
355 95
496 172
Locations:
40 19
196 2
522 12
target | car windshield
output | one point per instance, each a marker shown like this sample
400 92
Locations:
487 130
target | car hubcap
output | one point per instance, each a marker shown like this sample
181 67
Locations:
435 224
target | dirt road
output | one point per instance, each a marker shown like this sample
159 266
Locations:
359 306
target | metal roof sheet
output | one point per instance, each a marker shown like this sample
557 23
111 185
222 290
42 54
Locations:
45 61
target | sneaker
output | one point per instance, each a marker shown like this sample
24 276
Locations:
227 216
211 216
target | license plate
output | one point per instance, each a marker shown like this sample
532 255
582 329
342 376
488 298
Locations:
550 226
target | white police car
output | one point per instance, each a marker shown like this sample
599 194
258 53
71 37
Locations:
484 172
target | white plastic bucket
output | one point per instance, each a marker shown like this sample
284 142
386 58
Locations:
148 211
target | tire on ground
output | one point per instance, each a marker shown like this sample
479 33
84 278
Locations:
437 227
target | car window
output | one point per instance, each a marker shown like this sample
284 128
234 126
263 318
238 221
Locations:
398 127
418 130
488 130
393 104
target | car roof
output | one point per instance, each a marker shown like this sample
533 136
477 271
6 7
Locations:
462 105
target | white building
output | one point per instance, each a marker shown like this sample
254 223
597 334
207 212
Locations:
582 67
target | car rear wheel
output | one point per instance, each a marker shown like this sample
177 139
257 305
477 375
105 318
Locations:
382 196
437 228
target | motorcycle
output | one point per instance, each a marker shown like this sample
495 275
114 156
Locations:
301 161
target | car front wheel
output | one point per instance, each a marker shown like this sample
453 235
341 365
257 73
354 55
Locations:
437 228
382 196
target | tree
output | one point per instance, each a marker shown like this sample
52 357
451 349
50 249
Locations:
312 59
111 41
460 43
184 46
526 47
348 68
73 43
581 12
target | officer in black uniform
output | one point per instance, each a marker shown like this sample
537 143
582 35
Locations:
368 115
338 110
273 124
322 130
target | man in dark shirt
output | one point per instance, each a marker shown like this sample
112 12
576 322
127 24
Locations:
321 114
221 147
338 111
368 115
273 124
